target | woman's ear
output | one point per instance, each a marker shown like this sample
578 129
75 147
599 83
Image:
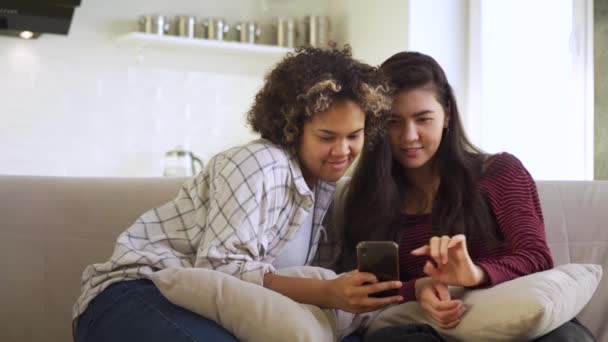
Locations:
446 120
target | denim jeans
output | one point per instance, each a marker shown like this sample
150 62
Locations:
569 331
407 332
572 331
137 311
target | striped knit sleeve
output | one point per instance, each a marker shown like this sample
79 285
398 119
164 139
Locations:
408 290
513 198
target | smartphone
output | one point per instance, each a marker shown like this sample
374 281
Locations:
382 259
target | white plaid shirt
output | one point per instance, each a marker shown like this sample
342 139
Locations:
235 217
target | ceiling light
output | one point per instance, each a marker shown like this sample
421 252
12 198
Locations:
19 34
26 34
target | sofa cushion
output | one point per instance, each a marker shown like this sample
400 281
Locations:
249 311
517 310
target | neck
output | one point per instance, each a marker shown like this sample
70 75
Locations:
424 183
425 177
310 182
308 178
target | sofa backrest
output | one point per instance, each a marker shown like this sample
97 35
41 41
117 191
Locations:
576 222
53 227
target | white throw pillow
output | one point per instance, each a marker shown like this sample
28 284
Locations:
250 312
517 310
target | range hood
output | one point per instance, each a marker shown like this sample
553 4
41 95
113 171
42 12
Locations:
36 16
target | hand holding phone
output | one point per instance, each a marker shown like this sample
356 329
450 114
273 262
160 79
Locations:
380 258
350 292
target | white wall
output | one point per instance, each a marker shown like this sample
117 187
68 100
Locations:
375 30
83 105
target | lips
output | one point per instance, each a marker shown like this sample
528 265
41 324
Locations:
411 152
338 164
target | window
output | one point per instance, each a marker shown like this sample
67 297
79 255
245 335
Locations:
531 84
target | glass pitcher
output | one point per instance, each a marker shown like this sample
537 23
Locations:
181 163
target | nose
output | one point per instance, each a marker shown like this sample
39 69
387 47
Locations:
341 148
410 133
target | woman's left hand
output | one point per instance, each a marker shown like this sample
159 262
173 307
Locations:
451 263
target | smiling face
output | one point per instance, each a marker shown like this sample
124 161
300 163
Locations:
330 141
416 127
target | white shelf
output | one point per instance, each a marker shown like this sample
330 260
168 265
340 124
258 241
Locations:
152 40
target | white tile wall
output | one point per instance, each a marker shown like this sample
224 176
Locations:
84 105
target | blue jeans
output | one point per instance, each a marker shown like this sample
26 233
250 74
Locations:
137 311
572 331
407 332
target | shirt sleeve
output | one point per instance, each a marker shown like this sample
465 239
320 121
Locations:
408 290
513 198
234 239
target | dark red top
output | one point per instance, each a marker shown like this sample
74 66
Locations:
512 196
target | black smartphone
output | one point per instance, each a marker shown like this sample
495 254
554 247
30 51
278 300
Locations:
382 259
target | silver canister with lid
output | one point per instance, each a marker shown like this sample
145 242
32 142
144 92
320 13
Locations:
185 26
248 32
154 24
316 28
286 29
215 28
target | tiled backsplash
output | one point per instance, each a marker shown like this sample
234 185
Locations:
88 118
84 105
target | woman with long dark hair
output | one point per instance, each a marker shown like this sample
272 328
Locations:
461 217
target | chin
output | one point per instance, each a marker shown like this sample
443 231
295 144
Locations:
332 178
413 165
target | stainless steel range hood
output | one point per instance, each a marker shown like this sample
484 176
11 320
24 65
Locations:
36 16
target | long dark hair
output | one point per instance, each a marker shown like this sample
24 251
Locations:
376 194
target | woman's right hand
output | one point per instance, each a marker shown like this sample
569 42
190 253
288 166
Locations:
350 291
435 299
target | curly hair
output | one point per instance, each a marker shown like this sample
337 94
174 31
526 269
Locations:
307 82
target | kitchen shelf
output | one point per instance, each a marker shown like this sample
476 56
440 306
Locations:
144 40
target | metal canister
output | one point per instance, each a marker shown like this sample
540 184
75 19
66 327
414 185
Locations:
286 31
215 28
185 26
155 24
316 28
248 32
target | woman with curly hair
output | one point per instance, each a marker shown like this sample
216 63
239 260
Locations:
253 210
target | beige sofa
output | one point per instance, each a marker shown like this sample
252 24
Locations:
51 228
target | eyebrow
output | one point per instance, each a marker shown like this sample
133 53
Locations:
422 112
325 131
417 114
